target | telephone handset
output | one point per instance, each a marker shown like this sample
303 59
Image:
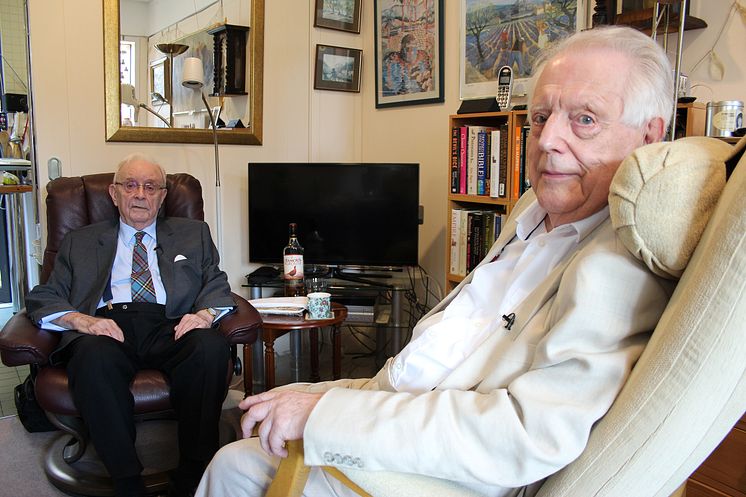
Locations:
504 87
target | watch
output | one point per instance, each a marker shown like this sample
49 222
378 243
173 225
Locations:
212 312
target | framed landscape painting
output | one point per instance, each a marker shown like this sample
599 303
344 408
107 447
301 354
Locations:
342 15
409 52
496 33
337 68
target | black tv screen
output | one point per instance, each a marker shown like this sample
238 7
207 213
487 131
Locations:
347 214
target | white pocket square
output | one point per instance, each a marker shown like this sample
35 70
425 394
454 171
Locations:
179 258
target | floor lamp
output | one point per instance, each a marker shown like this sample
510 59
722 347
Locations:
193 76
171 50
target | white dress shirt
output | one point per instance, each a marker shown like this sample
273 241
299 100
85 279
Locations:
442 341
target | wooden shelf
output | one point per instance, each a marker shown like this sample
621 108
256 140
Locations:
643 21
4 189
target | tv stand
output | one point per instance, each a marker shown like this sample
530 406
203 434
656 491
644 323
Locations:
340 274
362 289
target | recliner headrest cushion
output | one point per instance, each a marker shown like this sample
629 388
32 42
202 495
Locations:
662 197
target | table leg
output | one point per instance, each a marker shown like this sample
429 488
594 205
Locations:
248 379
313 334
295 352
269 363
336 352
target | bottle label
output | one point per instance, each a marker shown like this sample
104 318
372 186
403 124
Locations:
293 267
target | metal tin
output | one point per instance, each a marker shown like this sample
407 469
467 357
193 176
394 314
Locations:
723 118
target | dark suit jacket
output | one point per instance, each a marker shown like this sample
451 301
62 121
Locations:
86 256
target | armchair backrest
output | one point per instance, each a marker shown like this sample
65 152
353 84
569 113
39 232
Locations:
78 201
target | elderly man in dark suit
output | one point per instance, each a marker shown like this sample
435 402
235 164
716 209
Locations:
140 292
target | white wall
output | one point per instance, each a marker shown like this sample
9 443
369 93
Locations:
300 124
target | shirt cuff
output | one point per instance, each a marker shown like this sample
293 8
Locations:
46 323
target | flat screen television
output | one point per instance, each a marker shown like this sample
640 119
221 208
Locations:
359 214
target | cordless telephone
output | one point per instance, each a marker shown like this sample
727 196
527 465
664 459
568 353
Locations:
504 87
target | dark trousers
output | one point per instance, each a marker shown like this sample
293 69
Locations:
100 370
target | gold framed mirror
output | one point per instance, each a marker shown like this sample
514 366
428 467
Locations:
251 134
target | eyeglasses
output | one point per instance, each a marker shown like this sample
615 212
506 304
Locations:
134 186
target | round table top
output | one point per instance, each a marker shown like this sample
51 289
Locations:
279 322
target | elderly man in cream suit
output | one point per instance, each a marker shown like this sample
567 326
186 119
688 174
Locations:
503 380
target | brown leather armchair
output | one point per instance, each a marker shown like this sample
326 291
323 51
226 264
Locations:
73 203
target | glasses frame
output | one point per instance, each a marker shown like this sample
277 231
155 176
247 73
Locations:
138 187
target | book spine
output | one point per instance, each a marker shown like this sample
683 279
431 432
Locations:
503 181
471 157
481 162
463 235
516 178
463 139
526 183
454 159
494 163
455 236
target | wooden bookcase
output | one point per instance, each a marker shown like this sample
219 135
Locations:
690 122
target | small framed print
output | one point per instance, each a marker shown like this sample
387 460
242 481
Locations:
342 15
337 68
160 81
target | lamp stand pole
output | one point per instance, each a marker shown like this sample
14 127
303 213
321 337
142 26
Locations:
218 199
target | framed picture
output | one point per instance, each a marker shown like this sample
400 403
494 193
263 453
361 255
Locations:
496 33
160 81
337 68
409 52
342 15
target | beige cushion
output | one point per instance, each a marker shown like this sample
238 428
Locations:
689 386
662 197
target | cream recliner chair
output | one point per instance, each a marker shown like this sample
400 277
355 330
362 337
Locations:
687 390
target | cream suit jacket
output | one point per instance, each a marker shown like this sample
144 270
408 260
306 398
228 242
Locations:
521 406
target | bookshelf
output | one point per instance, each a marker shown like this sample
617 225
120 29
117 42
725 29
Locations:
690 122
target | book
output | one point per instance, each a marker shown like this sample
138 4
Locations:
494 180
463 230
516 169
504 168
523 181
455 235
463 139
474 240
455 144
482 162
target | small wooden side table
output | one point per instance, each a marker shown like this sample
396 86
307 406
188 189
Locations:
274 326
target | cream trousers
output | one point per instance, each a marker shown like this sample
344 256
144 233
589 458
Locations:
243 469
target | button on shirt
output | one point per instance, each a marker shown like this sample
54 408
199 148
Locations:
442 341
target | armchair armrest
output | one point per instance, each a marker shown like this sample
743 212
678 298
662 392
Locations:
22 342
241 325
292 474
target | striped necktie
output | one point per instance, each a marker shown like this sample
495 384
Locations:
142 281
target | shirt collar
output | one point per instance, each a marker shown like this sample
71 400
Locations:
534 214
127 232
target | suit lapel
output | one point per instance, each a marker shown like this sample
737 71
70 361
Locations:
105 252
165 251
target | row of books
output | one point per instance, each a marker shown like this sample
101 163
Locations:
472 234
480 164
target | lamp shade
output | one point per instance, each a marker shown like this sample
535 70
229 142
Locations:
193 74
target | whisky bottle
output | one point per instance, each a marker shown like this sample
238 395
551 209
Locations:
292 259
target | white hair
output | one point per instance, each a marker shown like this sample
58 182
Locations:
138 157
648 88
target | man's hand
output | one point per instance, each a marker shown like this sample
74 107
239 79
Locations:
91 325
189 322
282 416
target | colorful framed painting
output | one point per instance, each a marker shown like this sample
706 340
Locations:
337 68
409 52
495 33
342 15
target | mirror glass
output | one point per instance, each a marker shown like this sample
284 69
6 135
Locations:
150 46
